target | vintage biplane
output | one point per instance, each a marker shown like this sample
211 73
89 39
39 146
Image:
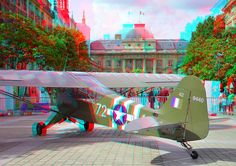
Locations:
86 98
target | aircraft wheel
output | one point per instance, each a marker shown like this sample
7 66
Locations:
41 129
89 126
194 155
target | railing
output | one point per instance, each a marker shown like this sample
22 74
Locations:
9 106
214 105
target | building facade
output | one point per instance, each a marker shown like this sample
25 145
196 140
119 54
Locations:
37 10
46 13
230 14
226 20
136 49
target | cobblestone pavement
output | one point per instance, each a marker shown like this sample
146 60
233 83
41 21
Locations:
66 145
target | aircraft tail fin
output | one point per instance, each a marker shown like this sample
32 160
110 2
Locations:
186 106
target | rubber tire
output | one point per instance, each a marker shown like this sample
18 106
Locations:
194 155
89 126
41 130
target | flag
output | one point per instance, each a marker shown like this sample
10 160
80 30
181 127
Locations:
141 13
176 102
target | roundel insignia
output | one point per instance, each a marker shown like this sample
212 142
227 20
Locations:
120 114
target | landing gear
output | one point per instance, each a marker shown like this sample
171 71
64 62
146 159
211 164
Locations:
192 152
39 129
88 126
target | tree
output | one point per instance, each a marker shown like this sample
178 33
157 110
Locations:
18 39
23 42
72 50
137 70
202 53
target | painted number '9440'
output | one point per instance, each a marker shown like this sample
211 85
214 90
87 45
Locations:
198 99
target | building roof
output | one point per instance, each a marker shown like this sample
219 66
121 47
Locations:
161 44
139 32
106 45
171 44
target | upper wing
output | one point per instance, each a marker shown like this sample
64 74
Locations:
84 79
126 80
29 78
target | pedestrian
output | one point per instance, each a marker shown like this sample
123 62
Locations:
224 103
220 102
231 102
131 93
151 98
160 97
144 97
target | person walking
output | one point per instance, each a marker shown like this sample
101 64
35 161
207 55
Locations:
144 97
151 98
231 103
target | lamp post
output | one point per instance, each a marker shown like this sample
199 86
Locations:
218 58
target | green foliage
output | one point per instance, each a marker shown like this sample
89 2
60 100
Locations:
204 30
21 41
202 58
137 70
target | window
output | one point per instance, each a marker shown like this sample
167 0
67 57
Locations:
24 5
118 63
129 64
149 65
159 63
170 63
139 63
108 63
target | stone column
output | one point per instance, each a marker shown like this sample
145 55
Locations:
123 65
144 65
104 64
165 65
112 65
154 61
134 64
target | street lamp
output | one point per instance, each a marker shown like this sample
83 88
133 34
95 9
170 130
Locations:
218 58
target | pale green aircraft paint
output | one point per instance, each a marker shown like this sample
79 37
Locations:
183 117
188 119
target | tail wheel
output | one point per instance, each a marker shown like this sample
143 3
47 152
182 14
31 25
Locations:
41 129
89 126
194 155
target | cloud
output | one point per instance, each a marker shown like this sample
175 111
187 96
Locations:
177 4
165 18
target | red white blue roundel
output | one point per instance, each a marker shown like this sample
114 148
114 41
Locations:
120 114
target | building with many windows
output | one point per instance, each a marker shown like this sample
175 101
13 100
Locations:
230 14
135 48
37 10
227 19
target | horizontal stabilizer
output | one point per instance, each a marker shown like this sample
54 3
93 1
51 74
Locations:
141 123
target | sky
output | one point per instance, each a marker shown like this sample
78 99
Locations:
166 19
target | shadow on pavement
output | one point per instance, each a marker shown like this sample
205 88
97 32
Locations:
63 137
206 156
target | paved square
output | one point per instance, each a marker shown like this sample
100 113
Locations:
66 145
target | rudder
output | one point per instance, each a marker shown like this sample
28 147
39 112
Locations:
185 108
